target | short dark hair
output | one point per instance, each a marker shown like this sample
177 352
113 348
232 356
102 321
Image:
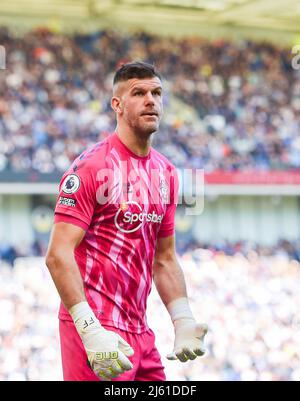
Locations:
136 69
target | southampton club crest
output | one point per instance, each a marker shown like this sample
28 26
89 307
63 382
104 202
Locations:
163 190
71 184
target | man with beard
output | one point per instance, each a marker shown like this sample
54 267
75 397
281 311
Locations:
113 233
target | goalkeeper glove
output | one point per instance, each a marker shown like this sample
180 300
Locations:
189 335
106 350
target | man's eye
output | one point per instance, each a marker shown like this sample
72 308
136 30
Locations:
138 93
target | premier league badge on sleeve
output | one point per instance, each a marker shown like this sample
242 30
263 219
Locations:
71 184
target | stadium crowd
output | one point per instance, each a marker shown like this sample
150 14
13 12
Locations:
250 302
288 249
229 105
28 328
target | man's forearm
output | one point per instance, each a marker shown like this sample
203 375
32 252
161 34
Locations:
169 280
170 283
67 278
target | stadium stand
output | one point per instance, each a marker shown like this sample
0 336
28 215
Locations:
239 102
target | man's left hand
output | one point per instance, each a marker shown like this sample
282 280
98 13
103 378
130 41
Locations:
189 340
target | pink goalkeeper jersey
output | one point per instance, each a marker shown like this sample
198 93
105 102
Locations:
124 203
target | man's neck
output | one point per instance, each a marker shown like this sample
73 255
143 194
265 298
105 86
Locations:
139 145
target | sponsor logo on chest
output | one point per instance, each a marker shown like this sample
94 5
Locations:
130 217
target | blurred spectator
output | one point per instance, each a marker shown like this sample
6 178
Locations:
9 252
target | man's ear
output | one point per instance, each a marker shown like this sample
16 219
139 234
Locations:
116 104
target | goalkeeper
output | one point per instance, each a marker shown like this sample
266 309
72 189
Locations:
113 234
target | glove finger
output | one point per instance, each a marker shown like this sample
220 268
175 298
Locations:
125 347
124 362
172 357
199 351
112 374
189 354
181 356
101 375
106 374
116 368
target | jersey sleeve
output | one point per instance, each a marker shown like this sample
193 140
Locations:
77 198
167 227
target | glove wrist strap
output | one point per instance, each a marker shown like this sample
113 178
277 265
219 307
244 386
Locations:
83 317
180 309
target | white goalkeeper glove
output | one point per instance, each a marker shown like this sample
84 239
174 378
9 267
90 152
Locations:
106 351
189 335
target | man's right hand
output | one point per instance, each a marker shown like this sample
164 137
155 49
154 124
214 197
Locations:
107 351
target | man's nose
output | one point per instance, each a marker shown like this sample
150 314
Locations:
149 99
